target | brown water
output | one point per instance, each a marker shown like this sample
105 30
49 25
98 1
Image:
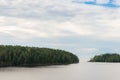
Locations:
81 71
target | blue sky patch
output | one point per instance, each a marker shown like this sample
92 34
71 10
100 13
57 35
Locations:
110 4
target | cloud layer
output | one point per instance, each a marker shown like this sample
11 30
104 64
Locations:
53 18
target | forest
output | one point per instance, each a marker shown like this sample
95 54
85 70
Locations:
34 56
108 57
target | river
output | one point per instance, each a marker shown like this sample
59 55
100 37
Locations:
81 71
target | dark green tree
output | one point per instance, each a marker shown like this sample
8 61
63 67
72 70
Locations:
108 57
34 56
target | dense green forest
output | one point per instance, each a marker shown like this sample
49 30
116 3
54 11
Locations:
34 56
108 57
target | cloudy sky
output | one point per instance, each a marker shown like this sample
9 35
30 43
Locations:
84 27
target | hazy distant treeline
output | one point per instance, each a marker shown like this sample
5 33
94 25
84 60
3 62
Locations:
30 56
108 57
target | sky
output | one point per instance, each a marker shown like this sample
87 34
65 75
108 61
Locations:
83 27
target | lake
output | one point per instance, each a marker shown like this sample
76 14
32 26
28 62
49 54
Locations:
81 71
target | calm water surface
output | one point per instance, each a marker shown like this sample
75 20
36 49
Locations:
81 71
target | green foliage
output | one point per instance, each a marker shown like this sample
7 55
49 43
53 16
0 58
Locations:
34 56
108 57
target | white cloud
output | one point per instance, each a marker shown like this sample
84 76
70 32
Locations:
89 0
102 1
117 2
57 18
25 28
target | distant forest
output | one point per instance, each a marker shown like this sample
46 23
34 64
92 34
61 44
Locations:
108 57
34 56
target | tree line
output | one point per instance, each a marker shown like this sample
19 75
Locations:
33 56
108 57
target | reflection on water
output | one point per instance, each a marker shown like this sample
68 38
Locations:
81 71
